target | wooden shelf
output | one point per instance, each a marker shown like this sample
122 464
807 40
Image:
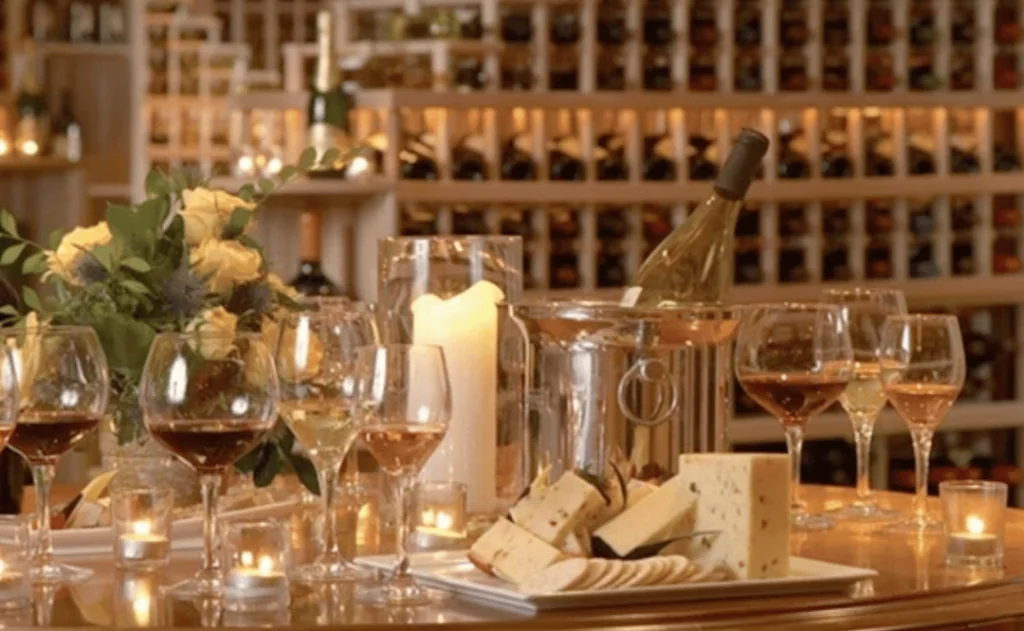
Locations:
72 49
641 100
41 164
109 191
965 416
342 189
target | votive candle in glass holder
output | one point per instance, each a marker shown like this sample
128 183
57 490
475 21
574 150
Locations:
142 527
15 552
439 519
138 601
256 560
975 514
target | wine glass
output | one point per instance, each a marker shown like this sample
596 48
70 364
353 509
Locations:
208 397
923 370
864 311
403 413
315 358
794 360
61 373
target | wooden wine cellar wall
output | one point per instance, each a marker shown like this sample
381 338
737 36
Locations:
592 127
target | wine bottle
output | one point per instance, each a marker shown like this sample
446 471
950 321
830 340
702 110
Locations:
42 20
1005 213
418 221
695 262
880 26
611 23
835 160
963 27
563 224
920 155
81 21
564 162
702 164
113 24
416 158
610 151
516 26
964 217
67 133
961 70
612 224
878 157
879 73
921 221
517 161
311 280
703 76
922 25
1005 73
1005 259
32 122
656 224
793 221
703 29
470 23
516 71
747 73
921 74
793 31
659 159
329 104
748 25
611 69
563 268
963 157
879 218
564 27
1007 23
922 262
1005 158
468 161
793 72
963 258
836 25
835 71
835 219
878 261
515 222
657 29
563 72
748 268
835 265
793 162
611 265
470 74
469 221
793 266
658 69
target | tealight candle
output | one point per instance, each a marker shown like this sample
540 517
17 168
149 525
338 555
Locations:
256 555
14 567
440 516
142 522
142 545
974 513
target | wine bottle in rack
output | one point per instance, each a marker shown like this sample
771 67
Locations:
611 265
470 74
963 29
747 24
694 263
963 215
81 21
311 280
516 25
835 71
962 253
469 23
793 72
658 69
879 218
1004 256
747 73
835 219
564 161
835 158
793 221
41 17
657 27
878 260
880 25
517 161
612 224
835 265
416 157
793 265
703 26
703 76
611 23
468 220
961 70
564 26
515 222
1007 23
920 155
67 132
920 220
563 269
1005 70
963 155
1005 214
922 261
748 266
563 224
923 32
517 71
793 28
1005 158
656 225
921 73
611 69
563 72
610 151
113 23
878 157
329 104
659 157
418 221
981 349
792 160
879 71
701 158
468 161
835 24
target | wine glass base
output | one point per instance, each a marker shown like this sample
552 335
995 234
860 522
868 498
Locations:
59 574
403 592
806 522
863 512
327 571
198 587
926 525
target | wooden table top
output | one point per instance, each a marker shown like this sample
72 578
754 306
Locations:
914 590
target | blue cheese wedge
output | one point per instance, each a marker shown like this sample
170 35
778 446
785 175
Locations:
664 511
557 511
746 497
512 553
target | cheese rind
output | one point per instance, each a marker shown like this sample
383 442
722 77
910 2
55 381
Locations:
746 498
512 553
666 510
557 511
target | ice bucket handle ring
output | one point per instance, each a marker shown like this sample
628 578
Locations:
649 371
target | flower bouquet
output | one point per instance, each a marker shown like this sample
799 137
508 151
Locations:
181 260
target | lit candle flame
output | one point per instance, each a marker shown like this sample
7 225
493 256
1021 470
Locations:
143 527
247 559
444 521
428 518
975 525
266 565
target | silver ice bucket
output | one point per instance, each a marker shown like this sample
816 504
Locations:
631 386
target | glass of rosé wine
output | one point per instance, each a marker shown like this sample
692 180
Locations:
404 405
923 370
794 360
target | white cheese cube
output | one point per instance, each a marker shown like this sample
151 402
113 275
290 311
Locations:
654 518
746 497
511 553
555 512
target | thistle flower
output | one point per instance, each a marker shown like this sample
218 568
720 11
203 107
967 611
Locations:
255 298
184 292
88 270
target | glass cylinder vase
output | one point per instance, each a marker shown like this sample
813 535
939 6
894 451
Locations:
446 291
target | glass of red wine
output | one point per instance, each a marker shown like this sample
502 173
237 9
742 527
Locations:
404 405
923 370
63 383
794 360
208 398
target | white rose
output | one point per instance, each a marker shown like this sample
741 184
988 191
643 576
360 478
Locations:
225 264
216 333
206 213
65 259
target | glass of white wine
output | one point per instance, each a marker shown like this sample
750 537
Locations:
865 311
405 405
923 371
315 362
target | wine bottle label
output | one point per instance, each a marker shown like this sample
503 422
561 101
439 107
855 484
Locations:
964 142
570 146
665 148
81 22
377 141
922 142
68 144
835 137
473 143
523 143
799 144
324 137
112 25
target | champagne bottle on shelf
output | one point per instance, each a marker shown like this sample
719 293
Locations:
610 151
468 161
659 158
311 280
329 104
67 132
33 117
517 161
564 161
694 263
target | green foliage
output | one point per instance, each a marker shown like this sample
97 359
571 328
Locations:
139 283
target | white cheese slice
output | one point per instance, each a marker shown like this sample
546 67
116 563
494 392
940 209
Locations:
746 497
555 512
637 490
577 544
654 518
511 553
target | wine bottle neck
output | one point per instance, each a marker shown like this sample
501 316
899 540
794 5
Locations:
325 79
309 237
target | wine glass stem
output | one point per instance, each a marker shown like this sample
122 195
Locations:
863 429
327 474
922 437
402 567
210 486
42 477
795 446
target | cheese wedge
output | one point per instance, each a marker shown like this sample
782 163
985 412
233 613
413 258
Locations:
654 518
512 553
557 511
577 544
637 490
746 497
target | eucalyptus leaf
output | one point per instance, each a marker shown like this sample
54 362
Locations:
9 310
247 193
122 222
135 287
308 159
136 264
266 186
35 264
104 255
330 157
287 173
156 184
11 254
56 237
237 224
8 223
31 299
